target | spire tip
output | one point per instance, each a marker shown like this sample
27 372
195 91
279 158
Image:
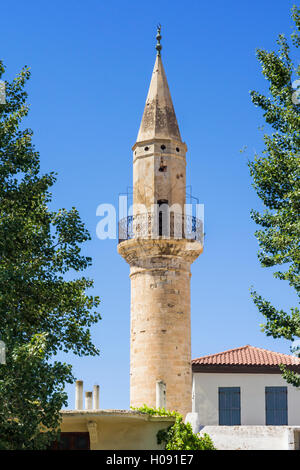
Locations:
158 46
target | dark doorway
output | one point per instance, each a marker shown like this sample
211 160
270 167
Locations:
161 211
72 441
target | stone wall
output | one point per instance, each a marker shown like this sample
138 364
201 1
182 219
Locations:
116 429
254 437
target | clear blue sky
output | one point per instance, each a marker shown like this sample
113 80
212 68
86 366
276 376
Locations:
91 65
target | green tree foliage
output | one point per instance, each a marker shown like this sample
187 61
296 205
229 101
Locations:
276 180
41 312
178 436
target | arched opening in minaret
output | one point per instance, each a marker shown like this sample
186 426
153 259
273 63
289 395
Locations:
162 207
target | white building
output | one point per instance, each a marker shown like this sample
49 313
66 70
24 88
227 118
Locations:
244 386
241 400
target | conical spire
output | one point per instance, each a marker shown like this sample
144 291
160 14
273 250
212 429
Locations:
159 118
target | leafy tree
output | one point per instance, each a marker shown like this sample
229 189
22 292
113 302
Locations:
178 436
276 180
41 312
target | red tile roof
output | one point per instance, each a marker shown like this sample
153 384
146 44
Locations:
247 356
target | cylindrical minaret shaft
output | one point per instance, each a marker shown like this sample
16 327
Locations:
160 320
160 329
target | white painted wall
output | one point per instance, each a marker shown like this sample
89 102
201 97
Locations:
254 437
205 396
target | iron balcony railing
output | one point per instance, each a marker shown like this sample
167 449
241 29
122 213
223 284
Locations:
161 225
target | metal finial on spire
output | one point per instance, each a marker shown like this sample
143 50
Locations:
158 46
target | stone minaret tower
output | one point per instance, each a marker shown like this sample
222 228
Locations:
160 259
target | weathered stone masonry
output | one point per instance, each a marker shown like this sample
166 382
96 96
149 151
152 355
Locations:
160 268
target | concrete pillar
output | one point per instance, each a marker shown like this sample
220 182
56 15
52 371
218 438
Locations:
93 432
88 400
96 405
160 394
78 395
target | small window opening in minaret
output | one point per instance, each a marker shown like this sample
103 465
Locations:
163 147
162 166
177 149
146 148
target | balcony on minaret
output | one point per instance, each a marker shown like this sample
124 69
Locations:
161 223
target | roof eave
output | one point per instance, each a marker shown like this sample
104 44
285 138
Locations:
242 368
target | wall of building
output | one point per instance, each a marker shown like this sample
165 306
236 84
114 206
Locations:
254 437
116 429
205 396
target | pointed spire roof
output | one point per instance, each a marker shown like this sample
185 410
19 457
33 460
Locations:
159 119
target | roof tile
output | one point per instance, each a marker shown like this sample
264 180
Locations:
248 355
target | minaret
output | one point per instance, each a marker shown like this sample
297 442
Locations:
160 249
